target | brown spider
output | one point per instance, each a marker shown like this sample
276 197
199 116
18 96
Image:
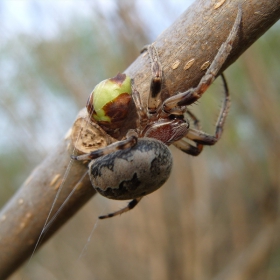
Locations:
141 163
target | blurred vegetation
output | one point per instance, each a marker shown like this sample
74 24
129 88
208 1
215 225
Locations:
218 215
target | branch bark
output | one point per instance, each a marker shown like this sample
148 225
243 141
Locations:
184 47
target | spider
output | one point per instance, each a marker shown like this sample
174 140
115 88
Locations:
141 163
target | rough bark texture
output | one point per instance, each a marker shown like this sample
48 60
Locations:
192 40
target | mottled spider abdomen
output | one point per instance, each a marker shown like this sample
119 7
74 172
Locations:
132 173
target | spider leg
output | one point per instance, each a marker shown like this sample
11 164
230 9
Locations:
154 99
201 138
129 206
187 147
224 110
155 86
190 96
129 142
196 121
142 113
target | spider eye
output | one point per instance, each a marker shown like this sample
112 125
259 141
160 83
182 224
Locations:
175 116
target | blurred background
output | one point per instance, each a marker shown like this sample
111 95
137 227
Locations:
217 217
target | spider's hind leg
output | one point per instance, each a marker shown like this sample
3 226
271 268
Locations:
129 206
187 147
224 110
201 138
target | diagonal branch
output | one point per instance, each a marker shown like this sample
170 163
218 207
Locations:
185 49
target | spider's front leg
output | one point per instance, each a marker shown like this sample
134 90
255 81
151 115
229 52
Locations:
190 96
129 142
154 99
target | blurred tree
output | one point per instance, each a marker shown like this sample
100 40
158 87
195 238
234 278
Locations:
205 218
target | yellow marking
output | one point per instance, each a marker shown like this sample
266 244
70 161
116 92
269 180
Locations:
205 65
28 215
20 201
144 53
3 218
176 64
54 180
259 13
189 64
79 186
22 225
57 185
219 4
28 180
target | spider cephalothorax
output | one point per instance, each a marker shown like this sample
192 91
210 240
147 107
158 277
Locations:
141 163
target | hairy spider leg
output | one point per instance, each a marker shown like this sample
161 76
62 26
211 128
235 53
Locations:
190 96
142 119
201 138
187 147
224 110
127 143
154 99
129 206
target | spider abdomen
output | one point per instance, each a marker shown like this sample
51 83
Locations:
132 173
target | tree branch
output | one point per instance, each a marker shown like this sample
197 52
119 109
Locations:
183 48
